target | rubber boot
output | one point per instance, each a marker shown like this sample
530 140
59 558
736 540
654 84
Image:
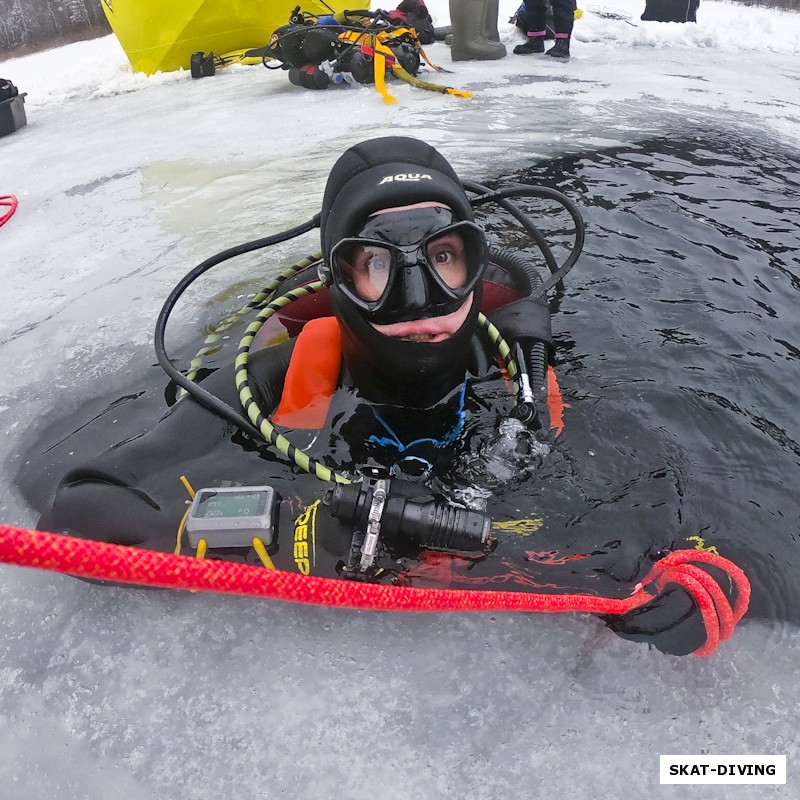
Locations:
561 48
468 20
535 44
490 31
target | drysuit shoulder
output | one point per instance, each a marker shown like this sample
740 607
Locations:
122 495
524 320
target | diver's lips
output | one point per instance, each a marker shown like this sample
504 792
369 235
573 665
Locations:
430 329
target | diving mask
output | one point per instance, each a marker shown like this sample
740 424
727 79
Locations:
410 263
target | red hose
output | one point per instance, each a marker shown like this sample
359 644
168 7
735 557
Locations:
9 201
110 562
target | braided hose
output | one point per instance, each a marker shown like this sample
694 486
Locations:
528 280
260 420
210 345
408 78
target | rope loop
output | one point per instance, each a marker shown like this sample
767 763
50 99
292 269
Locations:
10 202
719 616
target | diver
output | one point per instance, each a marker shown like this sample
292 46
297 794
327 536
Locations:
386 373
389 377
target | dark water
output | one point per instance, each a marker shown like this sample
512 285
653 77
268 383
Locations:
678 355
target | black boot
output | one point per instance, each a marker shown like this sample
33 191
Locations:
535 44
560 49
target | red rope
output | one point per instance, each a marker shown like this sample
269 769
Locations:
110 562
10 201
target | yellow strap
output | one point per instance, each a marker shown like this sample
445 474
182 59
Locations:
182 524
428 61
458 92
202 546
188 486
239 57
356 37
380 75
181 528
262 553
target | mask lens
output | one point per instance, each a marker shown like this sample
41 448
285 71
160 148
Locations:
447 255
456 255
364 269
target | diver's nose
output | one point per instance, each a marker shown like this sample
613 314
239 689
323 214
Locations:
415 288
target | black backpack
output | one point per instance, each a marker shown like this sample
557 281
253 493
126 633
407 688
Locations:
7 90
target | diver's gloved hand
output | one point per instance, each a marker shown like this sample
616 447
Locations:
671 622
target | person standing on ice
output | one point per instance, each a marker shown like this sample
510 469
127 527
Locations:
531 18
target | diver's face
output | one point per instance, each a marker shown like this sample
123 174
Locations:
411 270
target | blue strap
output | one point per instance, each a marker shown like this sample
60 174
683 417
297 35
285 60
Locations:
393 440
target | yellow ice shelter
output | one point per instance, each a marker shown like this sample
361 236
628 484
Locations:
158 35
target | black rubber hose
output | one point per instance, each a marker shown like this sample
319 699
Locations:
529 280
521 269
501 198
209 400
487 195
537 364
536 356
569 206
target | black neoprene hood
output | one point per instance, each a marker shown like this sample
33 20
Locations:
382 173
392 172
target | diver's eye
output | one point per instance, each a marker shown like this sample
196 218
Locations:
365 270
443 256
376 259
447 255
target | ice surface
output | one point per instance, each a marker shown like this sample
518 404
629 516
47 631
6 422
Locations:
124 183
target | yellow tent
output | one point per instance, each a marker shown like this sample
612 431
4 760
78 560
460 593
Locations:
158 35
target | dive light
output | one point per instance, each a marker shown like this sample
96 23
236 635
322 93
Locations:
392 508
